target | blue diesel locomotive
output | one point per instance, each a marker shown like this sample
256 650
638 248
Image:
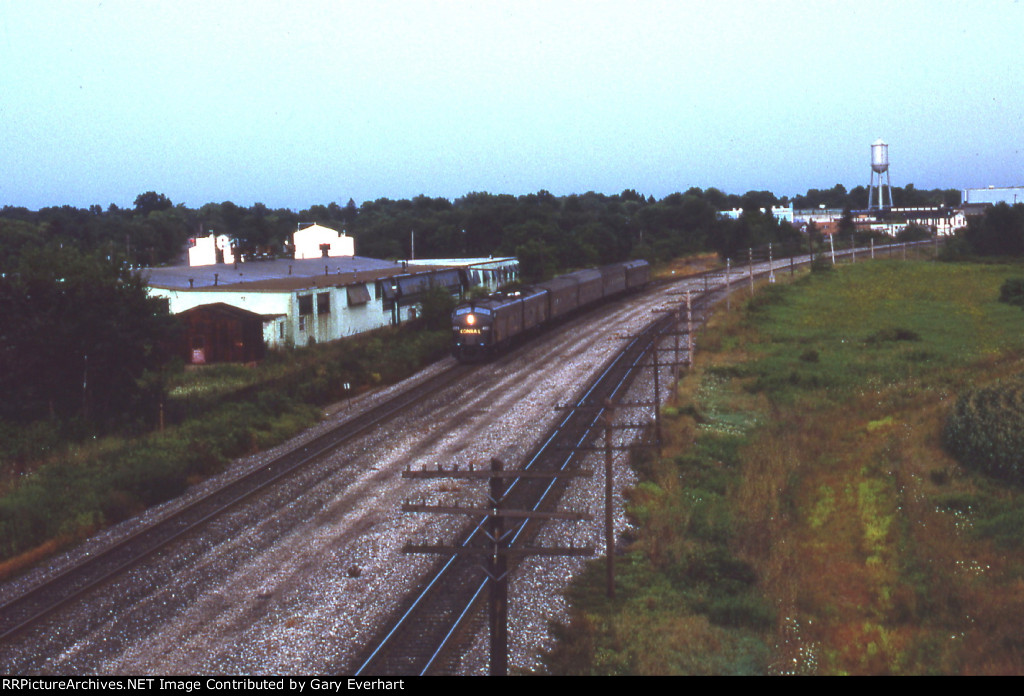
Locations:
481 328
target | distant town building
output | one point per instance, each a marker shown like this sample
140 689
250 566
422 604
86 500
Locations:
992 195
942 221
207 251
819 216
780 213
316 241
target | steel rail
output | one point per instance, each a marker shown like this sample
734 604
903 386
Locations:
22 612
651 334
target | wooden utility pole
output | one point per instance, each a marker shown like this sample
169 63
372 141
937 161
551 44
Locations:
750 268
728 284
609 516
499 532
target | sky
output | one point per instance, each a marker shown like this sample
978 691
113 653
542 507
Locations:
304 102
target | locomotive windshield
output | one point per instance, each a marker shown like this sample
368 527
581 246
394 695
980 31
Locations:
459 311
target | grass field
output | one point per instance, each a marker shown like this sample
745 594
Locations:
805 518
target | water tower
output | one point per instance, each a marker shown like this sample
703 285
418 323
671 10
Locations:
879 167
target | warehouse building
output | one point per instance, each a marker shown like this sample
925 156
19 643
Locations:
303 301
1011 195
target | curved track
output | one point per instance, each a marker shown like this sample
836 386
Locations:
432 622
25 611
30 609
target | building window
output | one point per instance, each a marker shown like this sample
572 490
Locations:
302 323
305 304
323 303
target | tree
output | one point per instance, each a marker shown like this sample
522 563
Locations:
436 305
999 233
536 261
77 335
146 203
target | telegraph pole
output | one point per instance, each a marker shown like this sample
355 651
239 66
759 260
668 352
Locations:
499 533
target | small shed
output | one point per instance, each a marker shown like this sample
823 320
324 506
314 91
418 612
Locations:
220 332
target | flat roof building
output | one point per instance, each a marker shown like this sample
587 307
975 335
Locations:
992 195
302 301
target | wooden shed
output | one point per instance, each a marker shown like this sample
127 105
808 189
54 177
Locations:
221 333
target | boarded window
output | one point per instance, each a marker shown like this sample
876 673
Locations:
358 295
323 303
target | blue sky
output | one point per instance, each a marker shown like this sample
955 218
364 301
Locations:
299 102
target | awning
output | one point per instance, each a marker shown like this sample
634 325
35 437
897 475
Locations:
357 295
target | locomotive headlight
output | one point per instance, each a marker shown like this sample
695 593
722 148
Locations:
471 319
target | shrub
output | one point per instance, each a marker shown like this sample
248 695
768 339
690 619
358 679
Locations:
822 264
1012 292
891 335
985 430
810 356
746 610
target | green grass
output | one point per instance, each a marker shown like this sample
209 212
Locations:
876 324
805 517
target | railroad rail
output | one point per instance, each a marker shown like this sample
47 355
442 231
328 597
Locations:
432 622
27 610
31 608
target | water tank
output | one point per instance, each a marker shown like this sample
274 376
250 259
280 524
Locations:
879 156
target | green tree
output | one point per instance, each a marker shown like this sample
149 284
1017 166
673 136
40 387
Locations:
436 307
78 334
536 261
999 233
151 201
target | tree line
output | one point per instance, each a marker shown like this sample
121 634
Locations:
563 231
79 338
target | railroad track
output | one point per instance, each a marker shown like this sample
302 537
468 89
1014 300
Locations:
22 613
432 623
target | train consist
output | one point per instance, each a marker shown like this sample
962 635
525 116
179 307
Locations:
483 327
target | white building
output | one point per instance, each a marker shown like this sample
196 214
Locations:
781 213
316 241
306 301
993 194
204 251
942 221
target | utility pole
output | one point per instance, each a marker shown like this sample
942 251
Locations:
500 531
728 285
750 268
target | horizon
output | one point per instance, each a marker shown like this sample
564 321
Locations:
130 206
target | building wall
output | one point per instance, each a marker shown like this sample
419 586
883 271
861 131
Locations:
780 213
308 243
325 315
993 194
203 250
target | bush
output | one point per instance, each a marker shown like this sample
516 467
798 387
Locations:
742 611
822 264
891 335
985 430
1012 292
